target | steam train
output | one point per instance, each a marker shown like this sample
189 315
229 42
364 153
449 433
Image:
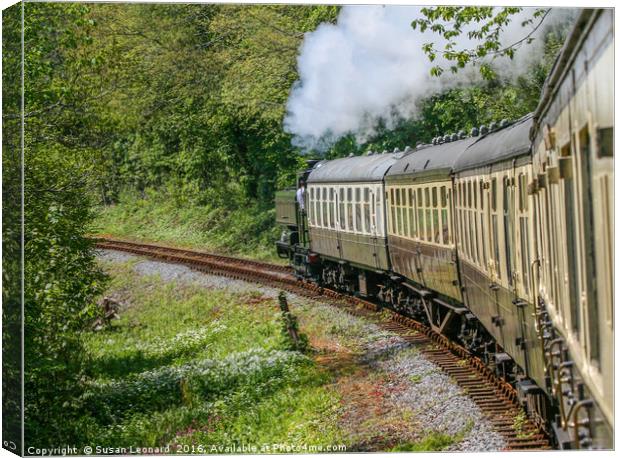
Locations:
501 239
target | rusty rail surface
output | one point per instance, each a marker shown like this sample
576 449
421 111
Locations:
495 398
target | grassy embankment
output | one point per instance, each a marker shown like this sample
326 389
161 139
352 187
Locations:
189 369
247 231
197 369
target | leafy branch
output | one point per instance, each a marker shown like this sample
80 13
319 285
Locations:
450 23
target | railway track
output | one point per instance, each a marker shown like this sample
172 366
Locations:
496 399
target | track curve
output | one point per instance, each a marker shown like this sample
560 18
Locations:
496 398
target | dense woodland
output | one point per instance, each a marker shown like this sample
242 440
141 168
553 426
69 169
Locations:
150 111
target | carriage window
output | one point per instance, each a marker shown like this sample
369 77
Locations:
399 212
444 227
349 209
436 226
317 207
481 195
324 206
442 194
429 225
522 192
373 216
466 233
332 212
478 240
309 205
421 225
605 142
475 194
392 214
341 216
483 241
380 228
412 224
525 254
358 209
496 245
472 236
367 210
494 194
405 211
434 194
427 200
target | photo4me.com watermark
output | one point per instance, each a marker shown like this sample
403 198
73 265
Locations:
204 449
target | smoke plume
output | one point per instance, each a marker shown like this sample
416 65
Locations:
370 66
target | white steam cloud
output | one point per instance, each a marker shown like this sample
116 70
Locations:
371 66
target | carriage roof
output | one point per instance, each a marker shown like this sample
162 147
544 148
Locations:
497 146
353 169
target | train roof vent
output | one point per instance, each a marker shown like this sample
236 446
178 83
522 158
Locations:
454 137
446 138
351 154
474 132
492 126
484 130
369 153
408 149
461 134
504 123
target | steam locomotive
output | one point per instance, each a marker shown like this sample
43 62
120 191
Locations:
501 239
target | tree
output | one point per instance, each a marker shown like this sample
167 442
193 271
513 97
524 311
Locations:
484 24
65 78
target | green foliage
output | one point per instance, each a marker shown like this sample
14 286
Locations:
206 379
61 279
202 100
230 228
228 379
11 227
449 23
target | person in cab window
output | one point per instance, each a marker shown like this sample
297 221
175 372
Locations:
300 197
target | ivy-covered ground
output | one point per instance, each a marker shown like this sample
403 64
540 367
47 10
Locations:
200 364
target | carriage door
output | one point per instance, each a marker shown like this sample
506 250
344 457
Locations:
496 213
565 174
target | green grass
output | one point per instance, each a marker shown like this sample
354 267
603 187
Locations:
434 442
187 366
248 231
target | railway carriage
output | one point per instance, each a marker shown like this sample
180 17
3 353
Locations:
421 234
419 219
346 208
494 221
573 190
